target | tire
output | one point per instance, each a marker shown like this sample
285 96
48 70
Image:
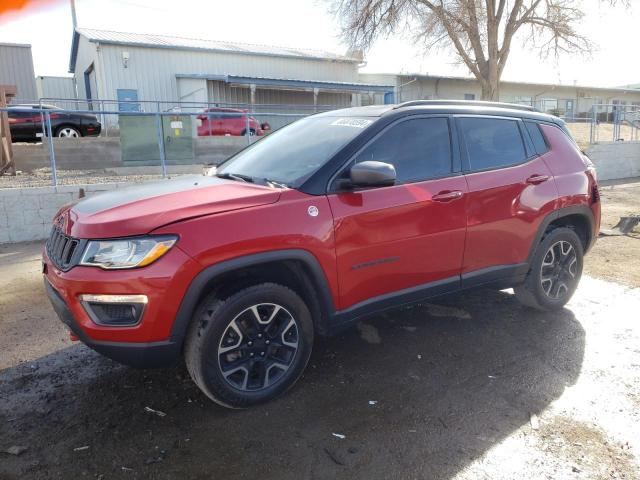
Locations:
68 131
239 358
554 273
252 133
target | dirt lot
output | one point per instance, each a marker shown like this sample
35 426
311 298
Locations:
471 386
581 131
617 258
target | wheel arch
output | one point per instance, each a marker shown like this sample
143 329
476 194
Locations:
296 269
578 217
67 124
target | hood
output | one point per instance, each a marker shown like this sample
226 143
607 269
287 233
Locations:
140 209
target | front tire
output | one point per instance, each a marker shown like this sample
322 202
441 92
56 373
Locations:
250 347
554 273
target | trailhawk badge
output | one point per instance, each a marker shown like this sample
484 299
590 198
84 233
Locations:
313 211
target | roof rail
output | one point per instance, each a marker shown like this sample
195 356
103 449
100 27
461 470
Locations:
471 103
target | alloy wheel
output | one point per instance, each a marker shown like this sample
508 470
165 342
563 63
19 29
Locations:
258 347
68 132
559 270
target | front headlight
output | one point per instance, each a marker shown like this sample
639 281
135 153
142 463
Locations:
126 252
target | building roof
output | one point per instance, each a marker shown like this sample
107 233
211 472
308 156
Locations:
293 83
422 76
183 43
21 45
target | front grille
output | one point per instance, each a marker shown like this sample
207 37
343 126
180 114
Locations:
62 250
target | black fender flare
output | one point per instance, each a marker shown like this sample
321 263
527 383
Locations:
206 276
581 210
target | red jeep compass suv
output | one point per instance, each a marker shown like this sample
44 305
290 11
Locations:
331 218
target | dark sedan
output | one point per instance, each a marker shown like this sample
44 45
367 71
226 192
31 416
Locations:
27 126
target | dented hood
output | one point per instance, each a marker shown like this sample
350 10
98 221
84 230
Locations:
140 209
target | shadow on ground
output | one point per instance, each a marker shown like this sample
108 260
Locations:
450 381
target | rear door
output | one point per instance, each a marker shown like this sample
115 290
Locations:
410 234
510 191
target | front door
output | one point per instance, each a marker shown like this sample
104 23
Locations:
410 235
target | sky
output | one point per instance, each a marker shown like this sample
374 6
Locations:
307 23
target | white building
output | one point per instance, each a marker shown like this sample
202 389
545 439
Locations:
138 67
571 101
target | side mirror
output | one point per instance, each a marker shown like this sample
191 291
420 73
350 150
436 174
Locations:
372 174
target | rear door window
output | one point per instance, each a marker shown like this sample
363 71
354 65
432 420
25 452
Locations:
492 142
419 149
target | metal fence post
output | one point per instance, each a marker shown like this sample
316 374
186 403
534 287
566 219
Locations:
247 131
52 151
593 121
163 160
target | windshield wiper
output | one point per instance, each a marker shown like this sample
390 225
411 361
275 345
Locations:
274 183
235 176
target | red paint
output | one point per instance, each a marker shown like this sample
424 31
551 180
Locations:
504 212
422 239
227 121
144 215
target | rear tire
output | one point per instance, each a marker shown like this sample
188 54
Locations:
250 347
554 272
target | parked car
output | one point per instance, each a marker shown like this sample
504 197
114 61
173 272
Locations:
229 121
27 126
332 218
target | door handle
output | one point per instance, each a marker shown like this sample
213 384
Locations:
447 196
537 179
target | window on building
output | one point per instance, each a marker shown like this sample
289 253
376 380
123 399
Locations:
492 142
523 100
549 105
418 149
536 136
469 96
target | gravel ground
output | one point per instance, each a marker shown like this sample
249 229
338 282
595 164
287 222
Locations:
470 386
42 178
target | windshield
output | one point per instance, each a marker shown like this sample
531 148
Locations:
290 155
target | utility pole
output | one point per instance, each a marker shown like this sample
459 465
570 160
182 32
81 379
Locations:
73 14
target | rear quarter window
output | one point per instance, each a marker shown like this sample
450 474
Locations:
539 142
492 142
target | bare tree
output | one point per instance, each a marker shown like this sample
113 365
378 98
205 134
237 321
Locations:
480 32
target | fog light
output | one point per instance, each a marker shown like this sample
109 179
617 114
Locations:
114 310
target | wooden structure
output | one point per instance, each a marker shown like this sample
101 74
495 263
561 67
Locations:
6 151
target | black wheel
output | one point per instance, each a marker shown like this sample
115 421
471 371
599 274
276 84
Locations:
555 271
251 347
67 131
252 133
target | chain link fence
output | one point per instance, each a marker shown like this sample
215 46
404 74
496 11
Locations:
133 141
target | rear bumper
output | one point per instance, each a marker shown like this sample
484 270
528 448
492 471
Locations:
92 130
140 355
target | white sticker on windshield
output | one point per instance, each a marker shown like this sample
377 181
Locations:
352 122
